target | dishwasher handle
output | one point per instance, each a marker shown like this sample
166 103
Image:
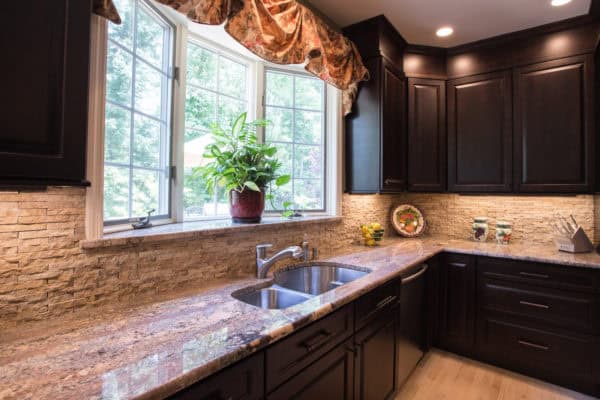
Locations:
415 275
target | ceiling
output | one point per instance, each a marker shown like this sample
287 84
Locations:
417 20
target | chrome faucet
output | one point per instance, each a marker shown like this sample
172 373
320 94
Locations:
264 264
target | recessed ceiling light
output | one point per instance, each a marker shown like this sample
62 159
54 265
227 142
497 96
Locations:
445 31
558 3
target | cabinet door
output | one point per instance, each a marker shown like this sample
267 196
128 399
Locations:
44 92
554 124
393 139
242 381
376 358
457 331
330 377
426 135
480 133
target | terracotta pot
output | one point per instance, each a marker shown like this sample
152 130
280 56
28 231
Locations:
246 207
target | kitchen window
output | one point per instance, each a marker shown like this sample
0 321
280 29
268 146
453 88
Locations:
166 84
138 114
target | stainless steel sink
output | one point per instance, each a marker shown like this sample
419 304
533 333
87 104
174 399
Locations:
297 284
316 279
271 297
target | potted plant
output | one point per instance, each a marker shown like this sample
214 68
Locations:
242 165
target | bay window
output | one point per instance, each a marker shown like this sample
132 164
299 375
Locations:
166 87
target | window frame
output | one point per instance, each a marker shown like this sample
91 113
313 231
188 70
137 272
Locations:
296 71
333 126
168 90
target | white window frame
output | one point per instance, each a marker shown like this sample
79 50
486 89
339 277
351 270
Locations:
256 80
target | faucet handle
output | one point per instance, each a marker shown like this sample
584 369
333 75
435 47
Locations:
261 249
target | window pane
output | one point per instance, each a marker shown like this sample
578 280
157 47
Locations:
284 155
200 108
309 127
280 196
280 126
144 191
309 93
146 142
149 38
308 194
202 67
307 162
123 34
229 110
280 89
148 88
117 131
116 192
232 78
118 75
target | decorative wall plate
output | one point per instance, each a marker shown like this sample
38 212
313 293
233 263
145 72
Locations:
408 220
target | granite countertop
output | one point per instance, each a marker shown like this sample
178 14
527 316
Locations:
153 351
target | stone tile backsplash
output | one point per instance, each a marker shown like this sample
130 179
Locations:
44 273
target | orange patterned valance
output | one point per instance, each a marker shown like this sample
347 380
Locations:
279 31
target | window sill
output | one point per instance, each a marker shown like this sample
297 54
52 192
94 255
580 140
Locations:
196 230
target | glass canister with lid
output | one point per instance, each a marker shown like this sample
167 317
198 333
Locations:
480 229
503 232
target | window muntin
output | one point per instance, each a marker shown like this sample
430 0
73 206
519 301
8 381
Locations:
216 91
138 114
295 105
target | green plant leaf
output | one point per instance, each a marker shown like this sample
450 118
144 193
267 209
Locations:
252 186
287 214
282 180
287 204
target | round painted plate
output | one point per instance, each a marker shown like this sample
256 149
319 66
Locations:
408 220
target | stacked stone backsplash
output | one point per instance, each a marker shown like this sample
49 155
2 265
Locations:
44 273
597 217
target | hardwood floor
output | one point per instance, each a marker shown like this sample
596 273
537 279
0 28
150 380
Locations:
442 375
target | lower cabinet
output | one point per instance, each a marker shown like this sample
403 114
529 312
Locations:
241 381
331 377
376 358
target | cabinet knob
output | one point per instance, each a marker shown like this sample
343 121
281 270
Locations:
390 181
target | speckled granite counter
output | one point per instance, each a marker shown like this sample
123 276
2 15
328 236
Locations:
153 351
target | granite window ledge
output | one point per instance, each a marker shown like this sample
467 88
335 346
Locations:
198 229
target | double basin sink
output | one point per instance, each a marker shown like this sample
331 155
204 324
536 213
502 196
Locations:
295 285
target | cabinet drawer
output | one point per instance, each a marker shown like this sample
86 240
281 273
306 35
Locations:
289 356
538 273
535 350
561 308
378 300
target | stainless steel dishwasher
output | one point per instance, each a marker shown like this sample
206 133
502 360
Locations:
412 329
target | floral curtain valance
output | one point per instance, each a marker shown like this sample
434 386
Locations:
279 31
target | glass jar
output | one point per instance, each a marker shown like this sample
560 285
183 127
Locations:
480 229
503 232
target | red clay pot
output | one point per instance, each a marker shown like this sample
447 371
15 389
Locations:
246 207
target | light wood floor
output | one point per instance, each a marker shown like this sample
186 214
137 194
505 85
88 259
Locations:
442 375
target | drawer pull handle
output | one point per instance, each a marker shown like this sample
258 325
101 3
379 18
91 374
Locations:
316 341
458 265
533 345
534 275
536 305
415 275
385 302
390 181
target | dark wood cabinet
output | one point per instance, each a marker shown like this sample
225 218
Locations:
44 95
241 381
457 303
376 358
555 126
331 377
480 133
376 129
426 135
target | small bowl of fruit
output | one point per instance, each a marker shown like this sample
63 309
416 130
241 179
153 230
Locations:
372 233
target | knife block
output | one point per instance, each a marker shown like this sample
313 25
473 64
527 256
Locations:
578 242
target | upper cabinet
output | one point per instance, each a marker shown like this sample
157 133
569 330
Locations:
426 135
554 126
376 130
44 95
480 133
